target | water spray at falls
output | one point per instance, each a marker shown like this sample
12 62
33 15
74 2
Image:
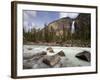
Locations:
73 27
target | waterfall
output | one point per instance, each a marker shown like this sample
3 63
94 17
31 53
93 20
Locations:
73 27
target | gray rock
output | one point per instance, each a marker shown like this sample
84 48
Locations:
27 64
29 48
51 60
85 55
50 49
58 65
27 55
61 53
39 55
32 56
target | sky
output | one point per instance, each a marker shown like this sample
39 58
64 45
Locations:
37 19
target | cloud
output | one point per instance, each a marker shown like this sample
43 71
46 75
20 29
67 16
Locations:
70 15
28 17
73 15
63 15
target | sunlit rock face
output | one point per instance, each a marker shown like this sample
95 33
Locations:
59 25
66 22
79 25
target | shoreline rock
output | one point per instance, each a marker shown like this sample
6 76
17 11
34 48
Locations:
50 49
85 55
61 53
51 60
32 55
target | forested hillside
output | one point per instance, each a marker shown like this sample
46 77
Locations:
64 31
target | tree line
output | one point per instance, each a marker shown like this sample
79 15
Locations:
50 35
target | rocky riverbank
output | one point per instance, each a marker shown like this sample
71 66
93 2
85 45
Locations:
74 43
50 58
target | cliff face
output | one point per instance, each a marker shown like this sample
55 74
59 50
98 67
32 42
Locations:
59 25
81 25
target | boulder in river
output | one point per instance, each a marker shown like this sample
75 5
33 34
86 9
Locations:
51 60
61 53
85 55
50 49
27 64
29 48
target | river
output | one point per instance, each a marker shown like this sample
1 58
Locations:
69 61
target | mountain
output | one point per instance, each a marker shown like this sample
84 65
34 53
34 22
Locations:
63 30
64 25
59 25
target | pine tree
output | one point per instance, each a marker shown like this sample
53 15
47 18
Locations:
64 34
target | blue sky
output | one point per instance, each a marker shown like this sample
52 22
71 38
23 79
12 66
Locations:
37 19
